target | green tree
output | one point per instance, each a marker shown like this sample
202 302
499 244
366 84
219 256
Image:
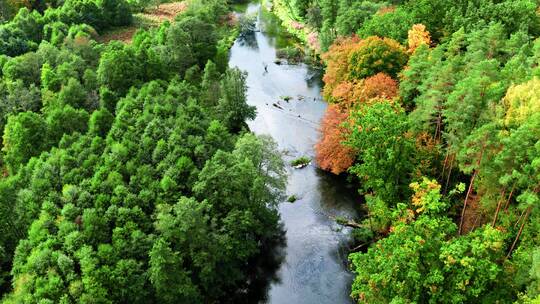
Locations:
420 261
393 25
385 151
79 12
413 75
115 12
468 105
352 14
25 135
49 79
26 68
65 120
184 225
190 41
232 106
403 266
210 84
314 16
72 94
100 122
118 70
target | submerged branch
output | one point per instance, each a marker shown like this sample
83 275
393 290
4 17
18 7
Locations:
346 222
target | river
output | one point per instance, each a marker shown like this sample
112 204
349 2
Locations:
314 269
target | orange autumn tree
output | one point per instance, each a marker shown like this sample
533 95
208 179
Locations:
337 63
378 86
344 92
352 61
351 93
357 74
331 154
418 35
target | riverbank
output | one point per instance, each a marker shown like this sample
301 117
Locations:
308 35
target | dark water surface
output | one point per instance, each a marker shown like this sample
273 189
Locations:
314 269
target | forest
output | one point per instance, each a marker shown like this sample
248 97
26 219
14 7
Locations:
130 175
117 159
435 114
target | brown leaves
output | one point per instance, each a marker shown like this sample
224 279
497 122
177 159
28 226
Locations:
379 86
332 154
365 92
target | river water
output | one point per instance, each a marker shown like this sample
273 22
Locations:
314 269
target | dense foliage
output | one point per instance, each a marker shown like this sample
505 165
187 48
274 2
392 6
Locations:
129 173
445 146
29 27
394 18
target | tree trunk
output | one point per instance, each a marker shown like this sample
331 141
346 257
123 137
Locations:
444 165
352 224
438 127
475 222
519 232
499 203
465 202
509 197
347 223
359 246
519 219
478 162
449 174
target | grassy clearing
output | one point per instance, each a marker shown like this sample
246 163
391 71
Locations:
126 33
165 12
154 16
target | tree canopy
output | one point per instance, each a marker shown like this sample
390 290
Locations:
126 179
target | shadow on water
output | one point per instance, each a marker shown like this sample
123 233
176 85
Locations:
337 192
249 40
314 77
268 24
262 271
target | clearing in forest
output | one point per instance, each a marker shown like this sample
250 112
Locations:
153 16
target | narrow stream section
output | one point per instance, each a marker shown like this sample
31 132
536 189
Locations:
315 265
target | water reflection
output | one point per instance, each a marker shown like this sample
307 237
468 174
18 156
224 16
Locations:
262 272
271 27
333 187
248 40
314 76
